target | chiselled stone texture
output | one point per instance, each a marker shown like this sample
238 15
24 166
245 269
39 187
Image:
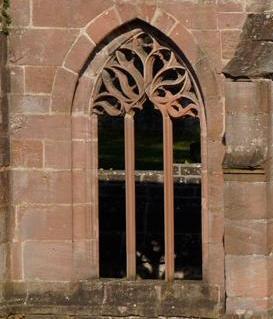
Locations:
110 299
247 111
248 208
254 55
4 162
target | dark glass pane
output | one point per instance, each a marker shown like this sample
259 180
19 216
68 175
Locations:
186 135
149 138
187 199
112 224
188 243
149 194
111 142
150 230
112 230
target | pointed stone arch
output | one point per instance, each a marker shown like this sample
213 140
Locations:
87 44
185 46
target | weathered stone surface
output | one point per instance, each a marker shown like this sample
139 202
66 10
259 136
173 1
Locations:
252 60
64 13
44 223
246 305
253 57
35 104
55 127
230 5
78 55
4 151
209 42
259 27
63 90
230 40
253 97
16 80
258 6
52 155
245 200
246 149
250 272
114 298
246 237
47 260
26 153
39 79
247 106
103 25
231 20
54 187
197 16
132 10
4 188
20 12
40 46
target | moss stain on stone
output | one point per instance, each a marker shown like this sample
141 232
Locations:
5 17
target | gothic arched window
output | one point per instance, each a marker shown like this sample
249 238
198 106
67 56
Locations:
141 73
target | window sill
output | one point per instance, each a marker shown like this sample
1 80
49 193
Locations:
113 297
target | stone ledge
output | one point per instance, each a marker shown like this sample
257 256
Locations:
244 175
113 298
183 173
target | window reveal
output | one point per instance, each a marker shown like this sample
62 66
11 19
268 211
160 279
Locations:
142 69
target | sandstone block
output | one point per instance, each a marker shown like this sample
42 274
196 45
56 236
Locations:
103 25
38 187
47 260
39 79
64 13
40 46
58 154
26 153
63 90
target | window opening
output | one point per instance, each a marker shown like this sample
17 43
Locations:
148 139
112 228
143 73
149 193
187 199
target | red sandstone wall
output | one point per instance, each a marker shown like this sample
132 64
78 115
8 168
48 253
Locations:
248 211
4 162
48 45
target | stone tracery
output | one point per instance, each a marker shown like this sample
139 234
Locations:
141 69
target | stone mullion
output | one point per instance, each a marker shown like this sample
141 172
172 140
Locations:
129 134
168 196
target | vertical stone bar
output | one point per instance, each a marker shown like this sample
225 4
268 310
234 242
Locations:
130 195
168 197
94 189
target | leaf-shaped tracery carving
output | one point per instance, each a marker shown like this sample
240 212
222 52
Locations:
141 69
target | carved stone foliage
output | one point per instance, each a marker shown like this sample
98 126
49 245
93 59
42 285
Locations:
140 69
